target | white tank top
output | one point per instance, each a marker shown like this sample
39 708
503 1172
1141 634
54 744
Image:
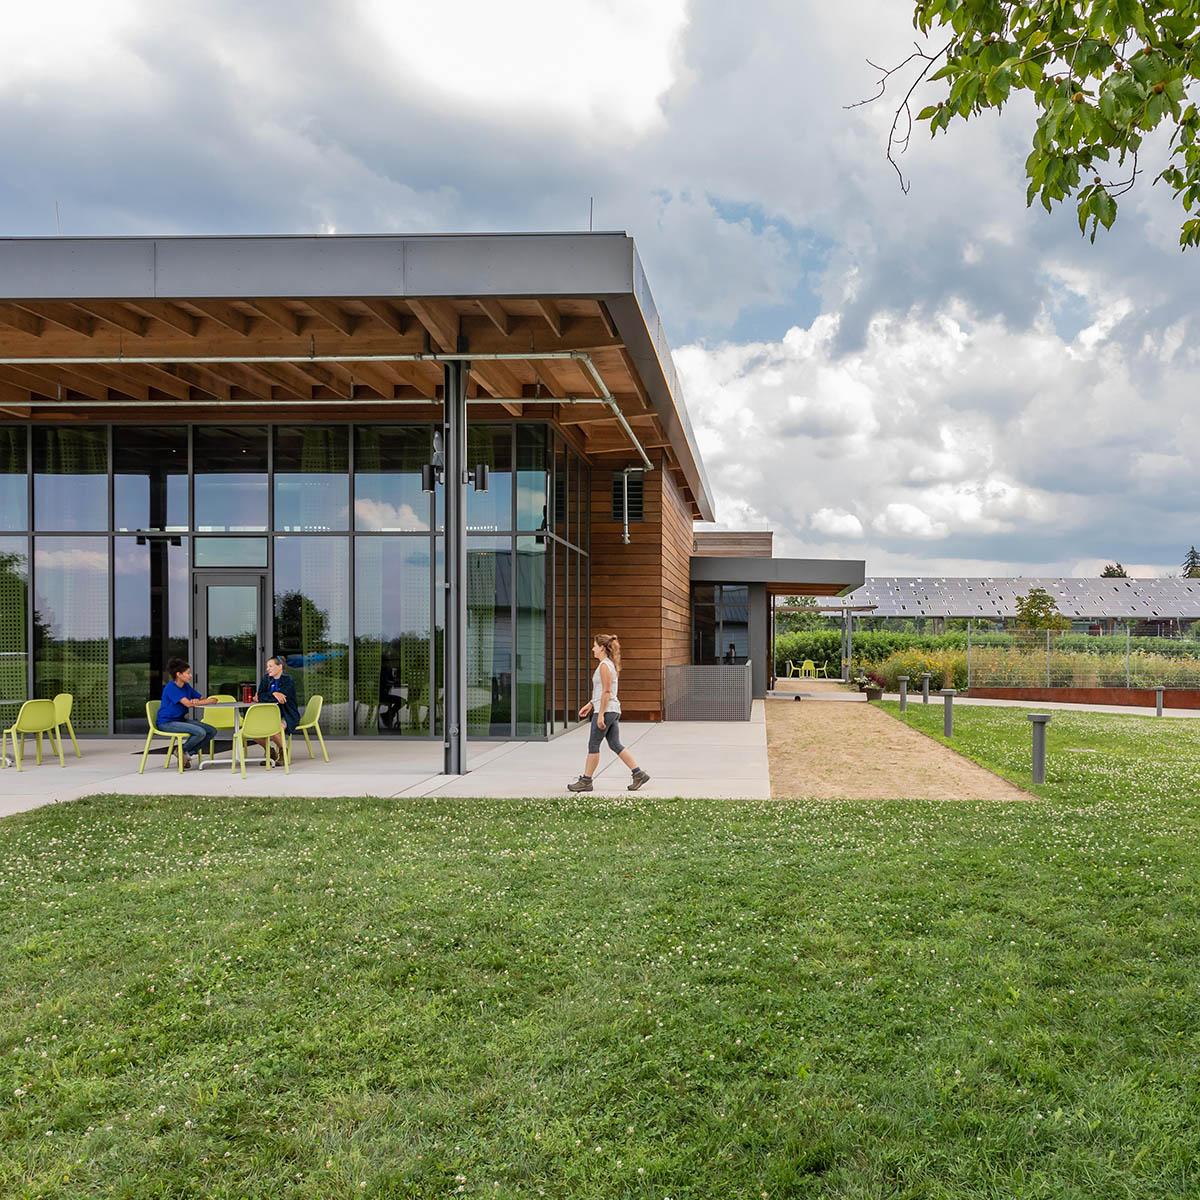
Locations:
614 705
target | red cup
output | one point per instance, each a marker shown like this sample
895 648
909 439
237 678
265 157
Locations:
247 693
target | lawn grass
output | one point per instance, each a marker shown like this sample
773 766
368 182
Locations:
606 998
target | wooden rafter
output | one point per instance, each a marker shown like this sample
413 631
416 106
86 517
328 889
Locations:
606 317
440 320
205 380
280 315
48 379
171 315
287 376
497 314
11 393
377 380
551 315
225 314
116 315
335 315
66 315
549 377
499 380
388 314
18 318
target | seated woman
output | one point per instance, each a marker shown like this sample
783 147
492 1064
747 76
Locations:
179 701
277 688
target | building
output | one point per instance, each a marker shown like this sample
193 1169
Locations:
426 469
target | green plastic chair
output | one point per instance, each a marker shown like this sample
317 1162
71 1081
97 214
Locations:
35 717
792 669
260 721
63 703
176 739
808 670
218 718
310 718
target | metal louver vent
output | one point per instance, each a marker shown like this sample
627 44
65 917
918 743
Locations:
636 511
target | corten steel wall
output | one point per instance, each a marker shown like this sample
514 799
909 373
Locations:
641 591
1120 697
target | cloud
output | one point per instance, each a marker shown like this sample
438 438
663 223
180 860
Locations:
836 523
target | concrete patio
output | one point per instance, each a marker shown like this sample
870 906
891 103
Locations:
698 759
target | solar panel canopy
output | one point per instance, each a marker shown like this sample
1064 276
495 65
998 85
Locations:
996 598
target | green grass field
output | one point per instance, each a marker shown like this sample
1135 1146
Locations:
325 998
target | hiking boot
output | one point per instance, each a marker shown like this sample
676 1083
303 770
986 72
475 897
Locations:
639 777
187 762
582 784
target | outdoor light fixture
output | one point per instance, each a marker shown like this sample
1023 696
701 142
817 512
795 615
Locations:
432 473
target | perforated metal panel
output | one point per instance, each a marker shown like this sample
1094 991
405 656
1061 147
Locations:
707 693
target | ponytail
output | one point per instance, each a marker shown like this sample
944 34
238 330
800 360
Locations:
609 643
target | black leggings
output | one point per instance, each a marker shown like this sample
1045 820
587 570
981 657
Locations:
608 734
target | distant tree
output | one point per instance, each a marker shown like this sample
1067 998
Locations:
807 618
1037 610
1114 570
1191 563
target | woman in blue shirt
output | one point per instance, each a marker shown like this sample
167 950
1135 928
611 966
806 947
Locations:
179 701
277 687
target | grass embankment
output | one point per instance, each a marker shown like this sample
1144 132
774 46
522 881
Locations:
283 997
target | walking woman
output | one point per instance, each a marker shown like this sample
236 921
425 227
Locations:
277 688
178 711
605 710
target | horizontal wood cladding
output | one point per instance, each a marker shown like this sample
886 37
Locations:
734 543
627 588
676 575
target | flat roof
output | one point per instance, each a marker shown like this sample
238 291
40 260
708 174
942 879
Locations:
782 576
65 298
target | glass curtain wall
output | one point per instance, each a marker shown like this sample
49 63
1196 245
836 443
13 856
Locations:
104 531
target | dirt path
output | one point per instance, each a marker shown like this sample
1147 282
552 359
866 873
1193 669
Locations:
853 751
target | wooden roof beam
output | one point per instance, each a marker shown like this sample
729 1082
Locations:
388 315
550 315
116 315
49 380
377 380
279 314
500 381
335 315
18 318
225 314
66 315
11 393
497 314
441 321
170 315
205 380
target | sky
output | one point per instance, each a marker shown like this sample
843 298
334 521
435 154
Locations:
943 382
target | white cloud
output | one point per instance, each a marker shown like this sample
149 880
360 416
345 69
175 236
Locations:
836 523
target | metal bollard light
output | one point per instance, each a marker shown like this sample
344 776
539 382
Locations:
1040 721
1158 701
948 695
903 681
925 687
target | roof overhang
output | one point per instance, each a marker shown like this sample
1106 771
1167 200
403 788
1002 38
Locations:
783 576
553 322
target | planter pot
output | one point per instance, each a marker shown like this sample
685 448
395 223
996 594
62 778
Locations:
874 693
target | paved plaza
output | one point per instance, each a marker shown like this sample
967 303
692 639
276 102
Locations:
685 758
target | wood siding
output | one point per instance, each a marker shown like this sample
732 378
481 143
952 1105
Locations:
743 543
641 591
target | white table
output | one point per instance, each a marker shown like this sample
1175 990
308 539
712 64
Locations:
239 707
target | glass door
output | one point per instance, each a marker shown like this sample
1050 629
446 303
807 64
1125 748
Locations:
230 623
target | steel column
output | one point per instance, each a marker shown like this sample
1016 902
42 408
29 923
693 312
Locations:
454 415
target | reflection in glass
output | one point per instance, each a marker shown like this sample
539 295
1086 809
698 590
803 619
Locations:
491 510
387 477
14 644
233 638
150 481
312 482
70 625
230 464
533 477
150 613
231 552
581 479
559 516
70 480
391 642
312 622
489 636
559 656
531 637
14 479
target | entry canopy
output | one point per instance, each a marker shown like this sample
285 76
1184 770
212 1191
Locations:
554 326
783 576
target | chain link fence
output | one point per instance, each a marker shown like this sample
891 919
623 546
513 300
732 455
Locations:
1052 659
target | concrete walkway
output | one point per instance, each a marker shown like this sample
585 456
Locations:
685 758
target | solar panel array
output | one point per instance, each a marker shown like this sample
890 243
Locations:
996 598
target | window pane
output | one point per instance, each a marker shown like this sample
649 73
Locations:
735 623
70 625
533 477
230 465
150 583
14 483
558 660
70 482
490 510
231 552
531 637
559 516
583 484
387 477
391 635
489 636
150 483
312 622
312 478
14 609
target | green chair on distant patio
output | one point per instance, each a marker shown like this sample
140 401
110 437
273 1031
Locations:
310 719
260 721
64 702
36 717
219 719
808 670
792 669
175 740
